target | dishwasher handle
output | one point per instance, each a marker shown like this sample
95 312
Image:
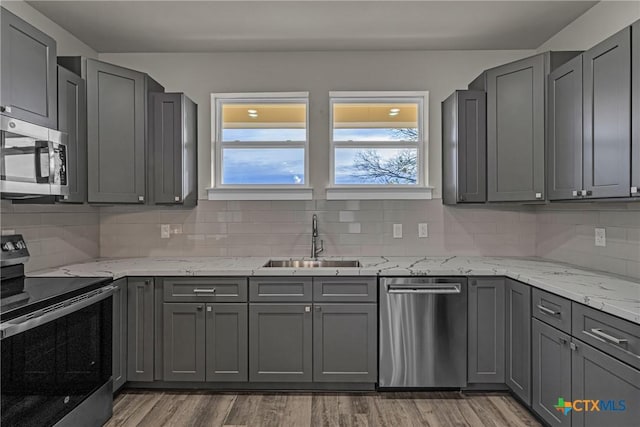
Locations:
449 288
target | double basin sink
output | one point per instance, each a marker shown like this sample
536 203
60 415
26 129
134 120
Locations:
294 263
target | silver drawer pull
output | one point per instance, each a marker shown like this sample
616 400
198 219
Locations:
453 288
598 332
548 311
204 291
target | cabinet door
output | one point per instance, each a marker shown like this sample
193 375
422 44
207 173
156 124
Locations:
515 131
119 334
280 342
486 331
598 376
564 131
518 339
167 147
607 103
635 109
227 342
28 89
345 343
116 133
472 146
72 119
551 373
183 341
140 330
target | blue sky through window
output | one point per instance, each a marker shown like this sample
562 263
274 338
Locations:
264 135
263 166
375 134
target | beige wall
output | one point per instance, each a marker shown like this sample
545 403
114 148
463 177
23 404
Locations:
199 75
68 44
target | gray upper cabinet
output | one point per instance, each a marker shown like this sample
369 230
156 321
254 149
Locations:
564 131
173 157
119 334
464 147
280 342
345 343
596 375
140 329
183 341
486 330
117 120
72 119
607 126
518 339
635 109
515 131
227 338
551 372
28 78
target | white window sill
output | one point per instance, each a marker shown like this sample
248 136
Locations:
379 193
258 193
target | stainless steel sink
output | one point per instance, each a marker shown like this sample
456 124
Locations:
290 263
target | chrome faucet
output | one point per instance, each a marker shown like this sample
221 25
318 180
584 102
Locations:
315 251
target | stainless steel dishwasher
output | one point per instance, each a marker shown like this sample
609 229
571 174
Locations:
423 332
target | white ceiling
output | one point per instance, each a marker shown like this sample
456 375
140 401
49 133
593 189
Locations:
209 26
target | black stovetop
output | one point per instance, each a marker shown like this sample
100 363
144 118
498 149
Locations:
22 295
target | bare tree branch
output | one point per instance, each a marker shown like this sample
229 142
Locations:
400 169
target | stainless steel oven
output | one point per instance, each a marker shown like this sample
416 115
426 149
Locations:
56 347
33 160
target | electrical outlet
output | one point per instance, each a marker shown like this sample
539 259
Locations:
423 230
397 231
600 237
165 231
175 229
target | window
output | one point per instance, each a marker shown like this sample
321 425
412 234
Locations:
378 141
260 142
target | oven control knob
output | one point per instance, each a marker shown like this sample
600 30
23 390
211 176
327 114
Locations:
12 125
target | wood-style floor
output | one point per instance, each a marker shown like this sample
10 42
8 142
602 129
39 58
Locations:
203 408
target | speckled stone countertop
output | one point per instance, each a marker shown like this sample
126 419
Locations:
609 293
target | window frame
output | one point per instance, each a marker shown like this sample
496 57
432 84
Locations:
220 191
342 191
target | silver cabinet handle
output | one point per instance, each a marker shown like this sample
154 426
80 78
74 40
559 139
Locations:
548 311
204 291
453 288
599 333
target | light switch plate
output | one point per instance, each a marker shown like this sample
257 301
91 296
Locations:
165 231
397 231
600 237
423 230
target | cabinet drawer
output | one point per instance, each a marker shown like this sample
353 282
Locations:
287 289
205 289
616 337
344 289
551 309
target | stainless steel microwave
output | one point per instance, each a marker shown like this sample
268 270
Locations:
33 160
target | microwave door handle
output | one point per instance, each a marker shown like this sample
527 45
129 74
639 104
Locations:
40 146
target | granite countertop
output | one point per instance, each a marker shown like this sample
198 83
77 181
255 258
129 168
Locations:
612 294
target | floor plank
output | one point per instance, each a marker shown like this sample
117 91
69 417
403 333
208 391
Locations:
217 409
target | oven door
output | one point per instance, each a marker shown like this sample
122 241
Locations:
33 160
56 360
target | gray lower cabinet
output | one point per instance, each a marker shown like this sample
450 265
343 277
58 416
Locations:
518 339
227 337
516 131
464 147
119 340
635 109
486 330
28 78
607 115
345 343
280 342
72 120
140 329
564 131
598 376
551 372
183 341
173 156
